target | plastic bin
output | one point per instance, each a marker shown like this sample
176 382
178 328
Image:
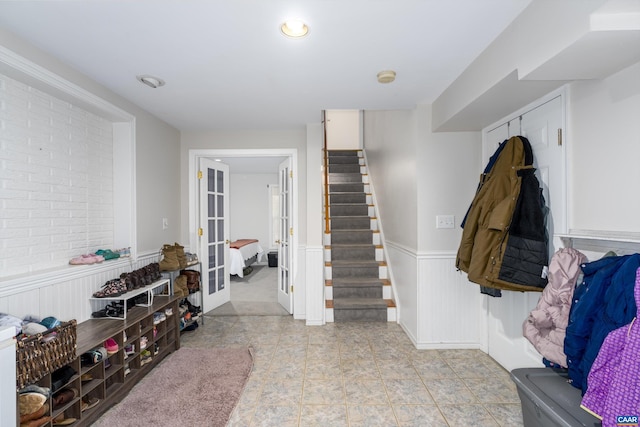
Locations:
549 400
273 259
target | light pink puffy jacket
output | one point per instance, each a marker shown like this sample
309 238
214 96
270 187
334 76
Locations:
546 325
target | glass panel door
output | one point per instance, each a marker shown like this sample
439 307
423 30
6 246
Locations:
214 211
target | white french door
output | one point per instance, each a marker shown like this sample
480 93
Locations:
541 126
285 246
214 232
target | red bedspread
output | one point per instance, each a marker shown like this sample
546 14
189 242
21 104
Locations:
241 242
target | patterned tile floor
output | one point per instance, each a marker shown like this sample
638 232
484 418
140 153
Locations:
358 374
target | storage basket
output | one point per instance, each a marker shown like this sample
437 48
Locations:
37 356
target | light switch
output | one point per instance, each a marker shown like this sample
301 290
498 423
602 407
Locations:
165 223
444 221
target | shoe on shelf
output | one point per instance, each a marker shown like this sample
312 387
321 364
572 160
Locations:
129 350
143 342
159 317
65 396
84 260
89 402
60 420
145 357
112 346
107 254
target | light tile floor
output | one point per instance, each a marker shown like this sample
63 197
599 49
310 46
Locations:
358 374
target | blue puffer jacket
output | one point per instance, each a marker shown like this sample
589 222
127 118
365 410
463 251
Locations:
604 301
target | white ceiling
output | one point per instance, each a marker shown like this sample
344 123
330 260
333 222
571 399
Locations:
227 66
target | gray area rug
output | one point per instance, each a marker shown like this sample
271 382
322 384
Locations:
191 387
255 294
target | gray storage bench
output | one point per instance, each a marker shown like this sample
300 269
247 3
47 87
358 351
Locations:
549 400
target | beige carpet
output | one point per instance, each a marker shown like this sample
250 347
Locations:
255 294
191 387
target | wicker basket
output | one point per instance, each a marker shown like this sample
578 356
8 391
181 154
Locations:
37 357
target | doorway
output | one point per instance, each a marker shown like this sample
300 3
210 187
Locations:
252 174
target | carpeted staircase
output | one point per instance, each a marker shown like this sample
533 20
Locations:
357 288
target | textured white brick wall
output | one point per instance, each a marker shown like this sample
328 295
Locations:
56 180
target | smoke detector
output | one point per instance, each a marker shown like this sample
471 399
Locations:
151 81
386 76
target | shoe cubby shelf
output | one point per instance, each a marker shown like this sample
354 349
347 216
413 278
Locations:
153 290
101 385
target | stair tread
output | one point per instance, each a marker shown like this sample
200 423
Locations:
330 282
359 303
361 284
350 230
350 245
355 263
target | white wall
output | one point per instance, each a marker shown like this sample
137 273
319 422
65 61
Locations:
343 129
447 174
64 293
249 214
416 175
603 151
391 150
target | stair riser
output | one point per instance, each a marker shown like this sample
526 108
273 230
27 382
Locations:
348 168
348 198
338 178
349 210
341 153
351 223
345 160
351 237
353 254
342 272
357 292
368 315
347 188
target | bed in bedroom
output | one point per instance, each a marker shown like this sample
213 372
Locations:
243 253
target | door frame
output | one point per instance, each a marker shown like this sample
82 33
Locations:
194 201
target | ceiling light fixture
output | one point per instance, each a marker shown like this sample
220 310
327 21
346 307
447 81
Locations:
152 82
294 28
386 76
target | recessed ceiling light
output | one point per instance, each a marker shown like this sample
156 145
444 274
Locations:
294 28
150 81
386 76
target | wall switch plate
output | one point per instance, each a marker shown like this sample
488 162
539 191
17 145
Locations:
445 221
165 223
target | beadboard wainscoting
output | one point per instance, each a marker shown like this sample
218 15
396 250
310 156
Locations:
313 290
438 307
64 293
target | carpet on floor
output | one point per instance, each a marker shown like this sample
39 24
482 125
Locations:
191 387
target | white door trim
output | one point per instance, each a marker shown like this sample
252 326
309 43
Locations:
195 154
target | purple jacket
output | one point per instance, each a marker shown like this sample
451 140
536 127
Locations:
546 326
614 379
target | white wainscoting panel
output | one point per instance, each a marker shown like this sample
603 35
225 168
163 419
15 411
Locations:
451 313
65 295
403 263
315 305
299 285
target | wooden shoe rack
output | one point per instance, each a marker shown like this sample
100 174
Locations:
111 381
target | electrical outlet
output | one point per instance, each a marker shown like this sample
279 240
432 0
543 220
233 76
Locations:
165 223
445 221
